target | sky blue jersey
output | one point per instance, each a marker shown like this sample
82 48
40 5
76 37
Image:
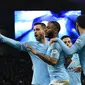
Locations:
58 71
75 77
78 46
40 72
74 63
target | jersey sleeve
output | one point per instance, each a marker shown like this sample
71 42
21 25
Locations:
16 44
78 45
53 52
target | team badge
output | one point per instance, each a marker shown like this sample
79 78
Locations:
78 41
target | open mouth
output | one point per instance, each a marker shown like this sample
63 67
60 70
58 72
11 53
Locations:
36 36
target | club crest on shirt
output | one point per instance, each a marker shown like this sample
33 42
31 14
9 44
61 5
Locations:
73 62
78 41
54 51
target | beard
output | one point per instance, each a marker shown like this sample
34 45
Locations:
38 38
49 35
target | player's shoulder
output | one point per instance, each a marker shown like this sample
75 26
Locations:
30 42
81 38
56 45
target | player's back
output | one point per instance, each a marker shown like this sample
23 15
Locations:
82 58
80 44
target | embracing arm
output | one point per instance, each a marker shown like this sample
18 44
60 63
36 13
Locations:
45 58
73 49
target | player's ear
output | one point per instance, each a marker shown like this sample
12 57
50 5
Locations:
77 25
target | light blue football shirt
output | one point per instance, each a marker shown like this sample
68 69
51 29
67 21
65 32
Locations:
78 46
40 72
75 77
58 71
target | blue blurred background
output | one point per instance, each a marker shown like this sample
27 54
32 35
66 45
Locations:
23 24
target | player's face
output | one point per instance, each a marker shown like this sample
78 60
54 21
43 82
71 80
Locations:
39 32
67 41
49 30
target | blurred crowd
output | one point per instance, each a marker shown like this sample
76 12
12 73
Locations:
15 71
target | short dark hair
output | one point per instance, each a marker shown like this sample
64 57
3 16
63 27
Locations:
81 21
65 36
39 23
56 24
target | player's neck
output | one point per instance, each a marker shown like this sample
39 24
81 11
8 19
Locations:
82 31
43 41
54 36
